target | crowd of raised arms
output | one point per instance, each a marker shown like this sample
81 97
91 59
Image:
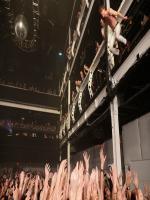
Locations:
78 184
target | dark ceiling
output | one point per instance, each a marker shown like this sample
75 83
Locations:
43 67
25 77
14 120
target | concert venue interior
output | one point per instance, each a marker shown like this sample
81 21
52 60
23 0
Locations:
74 99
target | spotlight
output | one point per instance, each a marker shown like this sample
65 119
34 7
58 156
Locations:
21 27
60 54
20 24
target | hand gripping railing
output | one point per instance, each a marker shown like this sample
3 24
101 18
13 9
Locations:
77 43
88 80
140 49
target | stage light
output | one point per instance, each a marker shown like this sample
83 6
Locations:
60 54
21 27
20 24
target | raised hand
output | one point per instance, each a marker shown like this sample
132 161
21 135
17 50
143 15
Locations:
86 161
97 182
46 187
29 192
26 180
53 183
146 191
86 178
22 177
80 189
47 170
89 189
135 180
128 183
60 180
77 184
102 157
128 178
36 187
140 195
73 182
16 193
94 192
114 178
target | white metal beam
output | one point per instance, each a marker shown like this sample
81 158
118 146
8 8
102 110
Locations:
68 156
81 17
140 49
64 85
114 110
92 68
29 107
83 30
115 135
124 6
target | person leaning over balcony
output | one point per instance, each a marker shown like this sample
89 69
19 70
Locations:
73 95
109 17
113 44
85 69
77 84
82 75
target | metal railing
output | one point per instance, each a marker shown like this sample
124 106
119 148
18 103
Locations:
139 50
130 60
77 43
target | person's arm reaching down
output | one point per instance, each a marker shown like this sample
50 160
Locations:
116 14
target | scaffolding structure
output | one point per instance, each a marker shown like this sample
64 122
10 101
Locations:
113 80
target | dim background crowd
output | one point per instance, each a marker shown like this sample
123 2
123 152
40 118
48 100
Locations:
79 183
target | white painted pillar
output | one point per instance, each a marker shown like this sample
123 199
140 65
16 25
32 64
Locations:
115 134
114 114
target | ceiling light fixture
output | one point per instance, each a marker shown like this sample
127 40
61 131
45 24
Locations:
60 54
19 27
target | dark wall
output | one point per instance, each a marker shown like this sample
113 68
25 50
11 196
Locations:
14 94
94 155
24 149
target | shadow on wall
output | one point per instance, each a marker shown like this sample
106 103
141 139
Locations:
94 155
136 147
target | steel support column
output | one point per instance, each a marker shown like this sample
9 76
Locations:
113 107
115 134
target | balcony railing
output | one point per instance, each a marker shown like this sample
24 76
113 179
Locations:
77 42
139 49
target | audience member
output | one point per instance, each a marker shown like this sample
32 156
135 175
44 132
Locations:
109 17
79 184
77 83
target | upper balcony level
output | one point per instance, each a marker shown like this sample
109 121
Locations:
11 94
92 83
79 20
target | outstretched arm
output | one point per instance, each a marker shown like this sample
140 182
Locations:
35 197
116 13
102 163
